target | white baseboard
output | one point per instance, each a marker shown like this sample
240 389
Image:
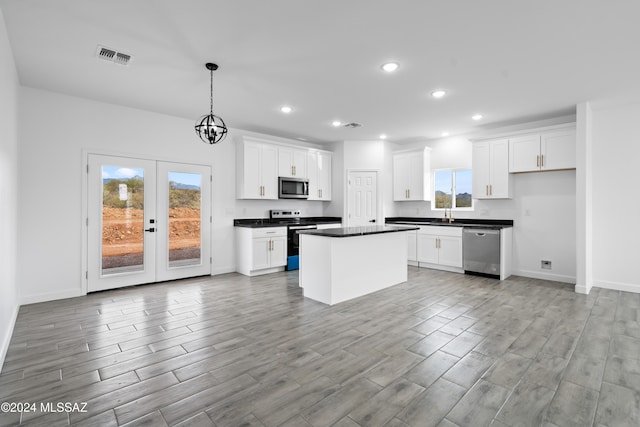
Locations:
223 270
8 333
618 286
545 276
582 289
51 296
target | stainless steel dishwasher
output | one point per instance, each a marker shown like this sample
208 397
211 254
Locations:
481 251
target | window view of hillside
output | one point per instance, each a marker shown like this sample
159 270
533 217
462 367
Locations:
123 219
184 218
448 182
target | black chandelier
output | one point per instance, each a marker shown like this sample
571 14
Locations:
211 128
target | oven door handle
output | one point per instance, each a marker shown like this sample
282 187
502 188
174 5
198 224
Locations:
302 227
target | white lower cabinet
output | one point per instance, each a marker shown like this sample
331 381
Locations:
412 241
440 247
260 250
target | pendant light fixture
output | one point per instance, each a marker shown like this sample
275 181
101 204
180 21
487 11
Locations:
211 128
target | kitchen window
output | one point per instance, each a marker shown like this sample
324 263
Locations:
452 189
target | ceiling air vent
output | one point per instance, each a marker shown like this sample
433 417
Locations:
113 56
353 125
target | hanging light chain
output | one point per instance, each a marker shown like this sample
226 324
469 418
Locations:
211 104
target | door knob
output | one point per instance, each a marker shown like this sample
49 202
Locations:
372 220
151 230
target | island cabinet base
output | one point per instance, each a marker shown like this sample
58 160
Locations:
333 270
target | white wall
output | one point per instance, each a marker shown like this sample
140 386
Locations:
616 155
370 155
543 211
8 190
51 176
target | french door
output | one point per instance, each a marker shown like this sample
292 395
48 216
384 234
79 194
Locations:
148 221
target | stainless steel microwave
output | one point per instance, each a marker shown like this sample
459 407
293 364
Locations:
293 188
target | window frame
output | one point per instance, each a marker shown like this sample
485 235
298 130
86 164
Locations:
452 171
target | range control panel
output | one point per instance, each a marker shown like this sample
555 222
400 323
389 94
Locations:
283 214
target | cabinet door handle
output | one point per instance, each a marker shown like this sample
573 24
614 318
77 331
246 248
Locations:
542 160
408 193
490 189
538 160
486 190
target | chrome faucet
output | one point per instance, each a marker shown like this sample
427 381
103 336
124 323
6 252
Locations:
450 215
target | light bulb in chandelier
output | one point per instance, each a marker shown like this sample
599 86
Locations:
211 128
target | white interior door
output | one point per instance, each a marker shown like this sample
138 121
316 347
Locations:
362 198
147 221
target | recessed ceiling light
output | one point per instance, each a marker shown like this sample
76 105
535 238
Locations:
336 123
438 93
445 133
390 67
383 136
286 109
476 116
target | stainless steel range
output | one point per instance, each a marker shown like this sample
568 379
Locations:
293 222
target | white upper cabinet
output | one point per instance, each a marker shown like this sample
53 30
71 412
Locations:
491 179
558 150
319 174
260 162
552 150
411 175
257 170
524 153
292 162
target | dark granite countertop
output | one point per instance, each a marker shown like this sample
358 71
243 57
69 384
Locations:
356 231
462 222
268 222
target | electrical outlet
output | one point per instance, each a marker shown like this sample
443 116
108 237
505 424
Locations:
545 265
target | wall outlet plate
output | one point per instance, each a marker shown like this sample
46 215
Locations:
545 265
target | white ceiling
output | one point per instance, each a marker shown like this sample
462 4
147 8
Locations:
512 61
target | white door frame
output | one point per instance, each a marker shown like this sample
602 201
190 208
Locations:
379 214
85 201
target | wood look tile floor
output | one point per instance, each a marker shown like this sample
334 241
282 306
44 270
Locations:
442 349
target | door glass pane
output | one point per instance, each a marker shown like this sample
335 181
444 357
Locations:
184 218
122 219
443 186
463 188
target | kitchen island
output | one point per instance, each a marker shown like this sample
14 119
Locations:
340 264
